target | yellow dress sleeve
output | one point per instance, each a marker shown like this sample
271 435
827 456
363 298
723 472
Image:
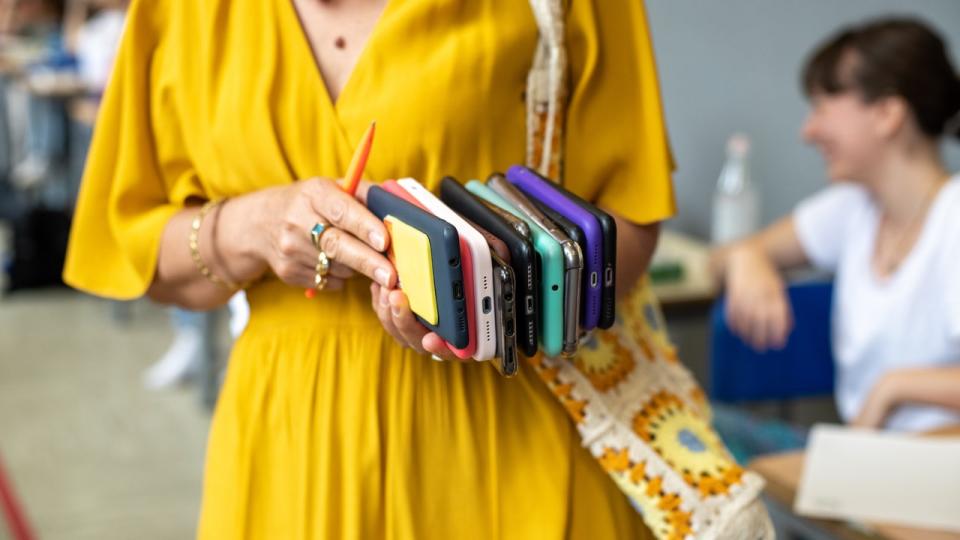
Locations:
137 174
617 153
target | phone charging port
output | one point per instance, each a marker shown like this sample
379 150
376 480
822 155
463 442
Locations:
458 290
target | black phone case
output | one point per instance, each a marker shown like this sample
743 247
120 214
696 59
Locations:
608 292
522 257
445 254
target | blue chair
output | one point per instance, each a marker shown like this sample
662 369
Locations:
803 368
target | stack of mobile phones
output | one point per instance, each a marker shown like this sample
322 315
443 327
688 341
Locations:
516 264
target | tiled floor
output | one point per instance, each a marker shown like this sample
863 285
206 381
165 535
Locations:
92 454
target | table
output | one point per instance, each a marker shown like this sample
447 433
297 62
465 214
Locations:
696 288
783 472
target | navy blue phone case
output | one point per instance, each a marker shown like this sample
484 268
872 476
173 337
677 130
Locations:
445 254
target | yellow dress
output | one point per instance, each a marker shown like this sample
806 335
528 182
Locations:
326 428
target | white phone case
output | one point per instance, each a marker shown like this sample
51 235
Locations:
482 266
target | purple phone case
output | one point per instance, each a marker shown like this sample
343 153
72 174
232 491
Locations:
535 185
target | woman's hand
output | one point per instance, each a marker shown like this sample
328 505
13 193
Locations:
757 306
393 310
354 240
879 403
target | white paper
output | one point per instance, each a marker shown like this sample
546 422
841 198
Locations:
881 477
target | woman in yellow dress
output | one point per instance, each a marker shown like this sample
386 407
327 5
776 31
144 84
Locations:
333 421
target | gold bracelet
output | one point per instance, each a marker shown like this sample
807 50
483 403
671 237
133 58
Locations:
195 247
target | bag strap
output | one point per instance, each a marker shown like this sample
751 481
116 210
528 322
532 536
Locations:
546 91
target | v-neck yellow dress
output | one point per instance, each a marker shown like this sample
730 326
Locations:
326 428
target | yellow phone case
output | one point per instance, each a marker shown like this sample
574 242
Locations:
411 255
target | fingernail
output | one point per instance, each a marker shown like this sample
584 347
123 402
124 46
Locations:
383 276
395 310
377 240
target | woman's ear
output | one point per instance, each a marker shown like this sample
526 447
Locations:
891 114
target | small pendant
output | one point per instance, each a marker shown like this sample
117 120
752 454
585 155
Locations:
340 43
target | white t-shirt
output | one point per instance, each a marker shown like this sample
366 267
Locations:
909 319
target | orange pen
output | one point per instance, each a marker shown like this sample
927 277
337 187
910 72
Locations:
354 172
359 160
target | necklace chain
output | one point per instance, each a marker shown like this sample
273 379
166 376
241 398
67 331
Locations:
889 260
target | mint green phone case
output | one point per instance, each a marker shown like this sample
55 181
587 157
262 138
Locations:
551 272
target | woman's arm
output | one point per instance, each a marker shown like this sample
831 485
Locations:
777 245
938 386
246 236
229 256
635 246
750 269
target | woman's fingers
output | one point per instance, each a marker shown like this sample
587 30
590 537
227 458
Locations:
381 306
341 271
290 250
303 275
393 310
762 329
737 318
347 213
404 321
436 346
363 187
295 249
342 247
782 324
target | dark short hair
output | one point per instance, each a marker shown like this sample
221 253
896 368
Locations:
891 57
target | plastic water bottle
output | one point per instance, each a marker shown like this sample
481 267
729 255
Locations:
736 206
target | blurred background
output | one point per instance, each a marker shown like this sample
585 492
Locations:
104 405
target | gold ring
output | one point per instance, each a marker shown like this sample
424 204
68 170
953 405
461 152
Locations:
319 281
323 261
323 264
316 233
